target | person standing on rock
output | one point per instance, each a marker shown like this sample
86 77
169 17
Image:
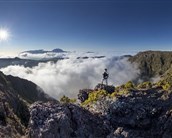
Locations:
105 77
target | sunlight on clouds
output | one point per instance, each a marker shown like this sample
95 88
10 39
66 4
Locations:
66 77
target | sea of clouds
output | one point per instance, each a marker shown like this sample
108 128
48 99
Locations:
68 76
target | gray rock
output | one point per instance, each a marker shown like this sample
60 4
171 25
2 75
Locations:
83 94
109 89
49 120
52 120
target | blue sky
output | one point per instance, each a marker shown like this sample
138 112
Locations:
86 25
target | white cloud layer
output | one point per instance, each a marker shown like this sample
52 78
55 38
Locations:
74 54
50 55
67 76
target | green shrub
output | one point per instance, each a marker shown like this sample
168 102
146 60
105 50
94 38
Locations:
94 96
166 86
114 94
145 85
73 100
66 99
122 92
129 85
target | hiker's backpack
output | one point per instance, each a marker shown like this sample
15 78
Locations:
105 75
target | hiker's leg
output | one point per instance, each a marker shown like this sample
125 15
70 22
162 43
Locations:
102 81
106 82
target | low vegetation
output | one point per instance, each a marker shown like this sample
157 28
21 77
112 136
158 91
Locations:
66 99
124 89
129 85
145 85
94 96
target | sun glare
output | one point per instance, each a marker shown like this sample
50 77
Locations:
4 34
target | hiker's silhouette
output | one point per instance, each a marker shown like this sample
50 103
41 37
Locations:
105 77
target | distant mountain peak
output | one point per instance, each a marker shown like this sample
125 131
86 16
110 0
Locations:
42 51
57 50
34 51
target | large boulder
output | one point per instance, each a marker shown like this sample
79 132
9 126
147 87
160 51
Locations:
83 94
49 120
109 88
88 124
52 120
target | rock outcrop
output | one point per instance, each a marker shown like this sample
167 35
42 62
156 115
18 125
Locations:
109 89
144 113
49 120
53 120
83 94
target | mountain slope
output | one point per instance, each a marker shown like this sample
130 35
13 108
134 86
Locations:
15 96
28 90
152 63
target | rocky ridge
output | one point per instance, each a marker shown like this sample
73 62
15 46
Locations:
14 111
152 63
131 110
